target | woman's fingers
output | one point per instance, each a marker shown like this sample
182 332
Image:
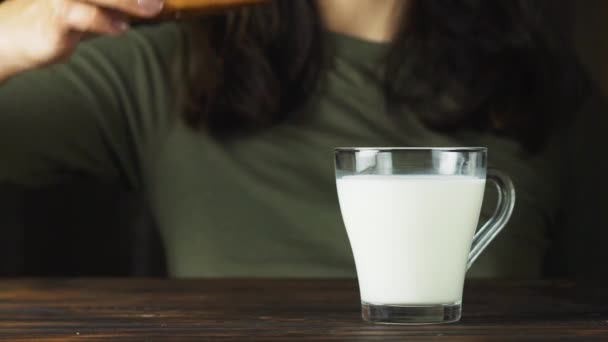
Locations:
85 17
105 16
139 8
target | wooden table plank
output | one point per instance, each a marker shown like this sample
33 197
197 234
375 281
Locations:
283 310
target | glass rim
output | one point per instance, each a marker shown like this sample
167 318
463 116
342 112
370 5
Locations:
406 149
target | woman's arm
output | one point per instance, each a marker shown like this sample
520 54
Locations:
97 114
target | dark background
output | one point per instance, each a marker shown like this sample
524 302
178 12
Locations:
86 229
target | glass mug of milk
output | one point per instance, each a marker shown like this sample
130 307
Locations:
411 216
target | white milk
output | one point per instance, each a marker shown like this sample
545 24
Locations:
410 235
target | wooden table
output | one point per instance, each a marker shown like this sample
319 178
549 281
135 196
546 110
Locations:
276 310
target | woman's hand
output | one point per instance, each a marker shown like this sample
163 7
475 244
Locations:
35 33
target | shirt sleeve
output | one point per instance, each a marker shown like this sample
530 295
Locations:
519 250
560 206
94 115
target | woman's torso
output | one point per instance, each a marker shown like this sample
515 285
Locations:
266 205
261 205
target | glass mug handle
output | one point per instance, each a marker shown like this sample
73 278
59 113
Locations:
502 213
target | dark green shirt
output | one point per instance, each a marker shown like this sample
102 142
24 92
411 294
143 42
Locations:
264 205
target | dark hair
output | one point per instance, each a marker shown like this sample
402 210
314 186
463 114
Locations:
491 64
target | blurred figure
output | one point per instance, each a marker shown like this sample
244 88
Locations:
226 123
